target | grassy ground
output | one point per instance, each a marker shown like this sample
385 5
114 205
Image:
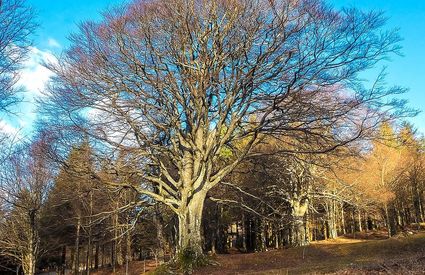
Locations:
366 253
135 268
404 254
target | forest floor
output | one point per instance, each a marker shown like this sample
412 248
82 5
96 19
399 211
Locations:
365 253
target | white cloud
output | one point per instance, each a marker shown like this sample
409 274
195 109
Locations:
8 129
53 43
34 76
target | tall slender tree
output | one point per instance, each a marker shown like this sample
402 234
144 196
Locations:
25 179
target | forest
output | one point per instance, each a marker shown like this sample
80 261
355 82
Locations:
175 133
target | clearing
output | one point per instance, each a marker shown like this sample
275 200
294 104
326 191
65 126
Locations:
403 254
367 253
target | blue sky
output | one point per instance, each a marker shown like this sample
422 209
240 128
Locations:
407 71
58 19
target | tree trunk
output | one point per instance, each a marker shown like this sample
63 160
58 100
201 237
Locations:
63 260
128 248
162 243
96 256
262 235
77 247
113 255
417 202
387 220
244 247
298 227
29 259
89 245
359 219
190 218
389 217
344 231
298 232
332 229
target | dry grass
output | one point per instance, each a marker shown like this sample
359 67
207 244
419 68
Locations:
135 268
366 253
341 256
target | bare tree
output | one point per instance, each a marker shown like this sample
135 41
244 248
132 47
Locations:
175 83
16 24
24 183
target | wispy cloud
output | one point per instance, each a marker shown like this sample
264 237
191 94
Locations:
34 77
7 129
53 43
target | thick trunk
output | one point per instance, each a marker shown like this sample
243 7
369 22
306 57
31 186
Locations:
390 222
190 219
262 245
359 219
298 233
393 221
28 265
332 229
29 259
387 220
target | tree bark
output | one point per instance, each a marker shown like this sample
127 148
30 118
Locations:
389 219
162 243
77 247
332 229
63 260
298 227
190 218
298 232
30 257
344 231
244 247
359 219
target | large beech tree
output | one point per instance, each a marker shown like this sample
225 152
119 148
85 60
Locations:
175 83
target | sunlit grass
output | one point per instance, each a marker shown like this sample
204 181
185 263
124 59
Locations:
325 257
